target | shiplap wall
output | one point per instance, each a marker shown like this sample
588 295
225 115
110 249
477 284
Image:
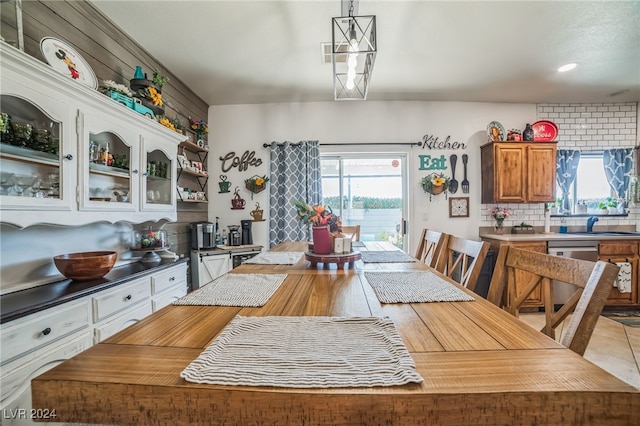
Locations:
112 55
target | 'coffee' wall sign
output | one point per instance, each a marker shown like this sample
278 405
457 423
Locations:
230 161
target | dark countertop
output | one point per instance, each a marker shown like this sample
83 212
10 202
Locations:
25 302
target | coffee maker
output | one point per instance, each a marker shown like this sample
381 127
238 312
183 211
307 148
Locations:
202 235
234 235
247 238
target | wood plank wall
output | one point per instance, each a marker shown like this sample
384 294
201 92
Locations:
112 55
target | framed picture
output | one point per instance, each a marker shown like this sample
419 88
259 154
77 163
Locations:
458 206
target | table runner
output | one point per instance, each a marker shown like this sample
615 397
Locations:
305 352
235 290
385 256
277 258
414 287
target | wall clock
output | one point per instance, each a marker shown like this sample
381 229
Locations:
458 206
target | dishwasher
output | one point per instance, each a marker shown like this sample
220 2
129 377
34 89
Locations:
584 250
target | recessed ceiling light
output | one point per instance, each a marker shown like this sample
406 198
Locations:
568 67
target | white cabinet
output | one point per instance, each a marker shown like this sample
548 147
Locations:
207 267
48 156
36 343
122 297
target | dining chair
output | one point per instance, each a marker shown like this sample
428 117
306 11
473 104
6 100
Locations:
593 282
462 260
430 246
354 231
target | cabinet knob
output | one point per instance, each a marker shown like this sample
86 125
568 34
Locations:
128 297
135 172
144 174
69 157
46 331
172 279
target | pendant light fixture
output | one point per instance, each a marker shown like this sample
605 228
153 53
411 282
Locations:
354 51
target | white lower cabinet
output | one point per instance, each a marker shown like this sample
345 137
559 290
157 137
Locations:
108 328
36 343
16 382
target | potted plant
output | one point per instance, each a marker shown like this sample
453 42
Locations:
604 208
435 184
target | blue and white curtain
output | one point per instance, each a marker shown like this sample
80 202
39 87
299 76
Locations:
295 175
566 168
618 164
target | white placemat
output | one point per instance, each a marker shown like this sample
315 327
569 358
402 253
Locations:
277 258
235 290
413 287
385 256
305 352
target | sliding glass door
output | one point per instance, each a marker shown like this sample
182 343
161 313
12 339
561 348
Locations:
368 190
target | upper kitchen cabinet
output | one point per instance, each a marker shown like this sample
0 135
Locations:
518 172
70 155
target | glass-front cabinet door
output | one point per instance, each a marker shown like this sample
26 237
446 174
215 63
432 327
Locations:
109 165
159 177
36 155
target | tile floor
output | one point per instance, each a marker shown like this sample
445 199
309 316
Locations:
614 347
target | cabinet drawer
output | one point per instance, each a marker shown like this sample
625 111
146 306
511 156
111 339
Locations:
619 247
166 279
121 322
16 381
43 329
121 298
168 297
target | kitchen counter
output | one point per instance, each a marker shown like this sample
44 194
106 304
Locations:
559 237
25 302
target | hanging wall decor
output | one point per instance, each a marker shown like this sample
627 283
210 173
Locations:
237 202
256 184
435 184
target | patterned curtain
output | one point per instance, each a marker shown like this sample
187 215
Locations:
566 168
295 174
617 167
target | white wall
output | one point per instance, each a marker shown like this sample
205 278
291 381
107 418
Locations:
246 127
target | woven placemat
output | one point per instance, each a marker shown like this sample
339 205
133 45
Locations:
305 352
277 258
394 256
414 287
235 290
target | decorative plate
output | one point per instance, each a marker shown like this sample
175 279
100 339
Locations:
544 131
496 132
65 59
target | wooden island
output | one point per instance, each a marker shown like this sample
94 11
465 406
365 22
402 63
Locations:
480 366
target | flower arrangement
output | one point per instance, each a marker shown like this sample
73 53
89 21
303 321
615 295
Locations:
199 126
318 215
435 183
256 184
116 87
500 214
167 123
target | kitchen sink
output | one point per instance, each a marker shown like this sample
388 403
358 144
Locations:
606 233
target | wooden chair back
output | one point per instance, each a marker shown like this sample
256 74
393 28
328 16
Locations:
462 260
431 246
354 231
593 282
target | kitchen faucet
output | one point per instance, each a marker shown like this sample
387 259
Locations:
590 222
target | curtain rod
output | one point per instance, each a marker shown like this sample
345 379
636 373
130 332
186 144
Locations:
266 145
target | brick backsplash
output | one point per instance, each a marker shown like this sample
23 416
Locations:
589 127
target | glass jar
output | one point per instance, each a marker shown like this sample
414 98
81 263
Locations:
150 239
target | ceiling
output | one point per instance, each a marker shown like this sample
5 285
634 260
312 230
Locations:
246 52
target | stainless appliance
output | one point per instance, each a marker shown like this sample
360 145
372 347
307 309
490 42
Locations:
202 235
234 235
585 250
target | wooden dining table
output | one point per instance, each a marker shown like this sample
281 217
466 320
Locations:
480 365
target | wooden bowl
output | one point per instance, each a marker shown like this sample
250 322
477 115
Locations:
85 266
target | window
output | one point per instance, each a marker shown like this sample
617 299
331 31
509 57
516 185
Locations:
591 188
